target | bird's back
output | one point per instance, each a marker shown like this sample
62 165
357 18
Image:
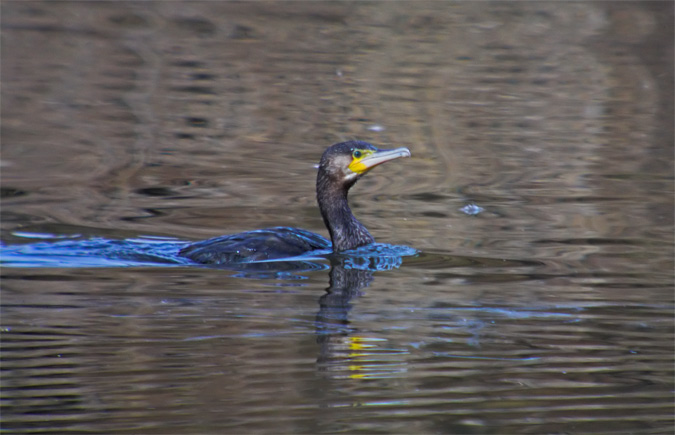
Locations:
258 245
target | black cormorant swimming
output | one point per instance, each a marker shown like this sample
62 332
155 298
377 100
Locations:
341 166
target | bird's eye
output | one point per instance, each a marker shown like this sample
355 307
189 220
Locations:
357 154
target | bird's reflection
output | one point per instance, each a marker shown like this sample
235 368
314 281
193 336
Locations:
334 305
343 350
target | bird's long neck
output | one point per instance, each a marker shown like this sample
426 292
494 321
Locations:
346 232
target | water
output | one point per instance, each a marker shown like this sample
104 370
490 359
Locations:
538 205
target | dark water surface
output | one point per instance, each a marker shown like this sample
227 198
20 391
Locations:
546 308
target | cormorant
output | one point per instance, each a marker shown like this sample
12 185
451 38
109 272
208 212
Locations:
341 166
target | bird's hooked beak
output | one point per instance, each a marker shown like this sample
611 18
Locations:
369 159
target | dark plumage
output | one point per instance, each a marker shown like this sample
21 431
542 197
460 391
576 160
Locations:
341 166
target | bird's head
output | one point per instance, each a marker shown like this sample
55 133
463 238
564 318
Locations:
346 162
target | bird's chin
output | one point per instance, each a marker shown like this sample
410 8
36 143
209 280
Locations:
351 176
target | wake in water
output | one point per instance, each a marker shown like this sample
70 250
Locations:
76 251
